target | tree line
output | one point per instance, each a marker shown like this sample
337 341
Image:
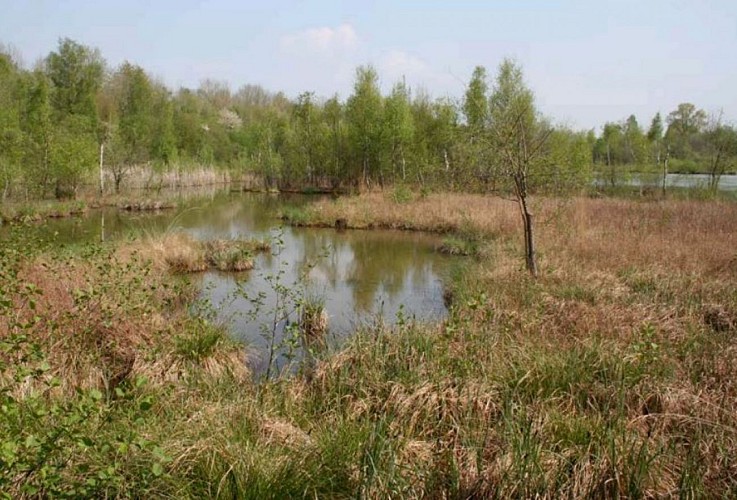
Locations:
688 141
72 117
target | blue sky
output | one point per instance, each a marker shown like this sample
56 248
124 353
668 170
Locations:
587 61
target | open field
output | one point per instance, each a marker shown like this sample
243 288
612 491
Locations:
612 374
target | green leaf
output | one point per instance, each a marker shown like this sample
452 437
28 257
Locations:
31 442
157 469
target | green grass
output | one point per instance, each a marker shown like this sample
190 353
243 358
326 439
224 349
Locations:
295 216
453 245
37 211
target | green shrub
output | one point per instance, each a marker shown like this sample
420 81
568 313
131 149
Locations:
401 194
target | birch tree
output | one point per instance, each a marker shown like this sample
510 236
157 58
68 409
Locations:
519 137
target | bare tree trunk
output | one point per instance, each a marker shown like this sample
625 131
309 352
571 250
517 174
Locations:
365 169
45 181
520 182
102 178
530 259
404 166
665 167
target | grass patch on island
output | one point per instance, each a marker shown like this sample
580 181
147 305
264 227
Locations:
181 253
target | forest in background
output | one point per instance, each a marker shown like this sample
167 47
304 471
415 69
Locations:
71 118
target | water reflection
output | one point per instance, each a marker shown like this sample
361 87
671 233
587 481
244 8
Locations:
360 276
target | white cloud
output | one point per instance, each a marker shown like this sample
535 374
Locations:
321 40
395 65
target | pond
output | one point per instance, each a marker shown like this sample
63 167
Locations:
361 277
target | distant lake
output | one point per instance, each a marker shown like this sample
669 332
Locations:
726 182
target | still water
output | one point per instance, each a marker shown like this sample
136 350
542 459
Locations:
727 182
362 277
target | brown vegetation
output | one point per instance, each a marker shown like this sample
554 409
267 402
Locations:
180 253
606 233
100 319
614 374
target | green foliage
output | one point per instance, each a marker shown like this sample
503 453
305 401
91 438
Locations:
135 116
72 155
475 103
402 194
38 130
454 245
295 216
200 340
398 131
364 111
52 119
85 444
76 73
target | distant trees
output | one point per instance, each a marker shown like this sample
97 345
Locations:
398 131
132 128
38 130
475 102
11 139
655 141
75 72
364 111
719 148
690 141
73 117
685 123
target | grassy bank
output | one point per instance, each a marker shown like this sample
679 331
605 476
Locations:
36 211
614 374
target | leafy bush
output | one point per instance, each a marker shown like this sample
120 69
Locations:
401 194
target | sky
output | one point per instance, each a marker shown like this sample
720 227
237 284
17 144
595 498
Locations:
587 62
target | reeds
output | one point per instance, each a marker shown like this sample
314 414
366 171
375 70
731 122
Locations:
313 321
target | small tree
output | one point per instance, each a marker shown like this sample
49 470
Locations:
136 121
655 138
398 129
529 151
720 144
364 111
38 133
519 137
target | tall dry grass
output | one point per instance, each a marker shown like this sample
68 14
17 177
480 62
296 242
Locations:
180 253
606 233
100 316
